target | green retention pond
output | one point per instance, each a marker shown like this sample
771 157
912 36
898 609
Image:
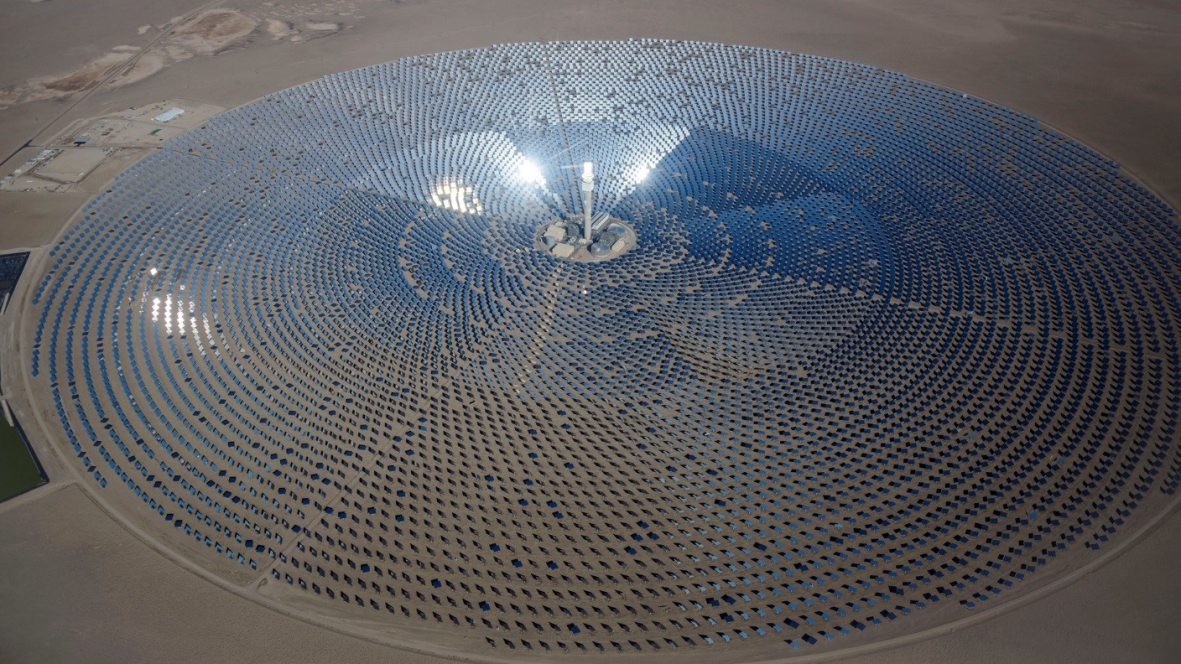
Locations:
19 470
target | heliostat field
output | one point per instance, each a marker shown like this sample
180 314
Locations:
882 353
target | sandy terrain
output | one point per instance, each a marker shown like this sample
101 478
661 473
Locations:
206 33
59 545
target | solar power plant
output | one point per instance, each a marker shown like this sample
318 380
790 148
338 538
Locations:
883 354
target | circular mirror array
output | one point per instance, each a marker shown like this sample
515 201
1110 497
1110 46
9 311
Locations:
879 355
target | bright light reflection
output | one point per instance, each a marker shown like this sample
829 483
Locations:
453 194
640 174
529 172
176 312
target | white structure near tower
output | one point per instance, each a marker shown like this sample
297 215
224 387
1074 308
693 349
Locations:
588 201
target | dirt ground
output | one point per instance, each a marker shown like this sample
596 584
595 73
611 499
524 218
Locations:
77 587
